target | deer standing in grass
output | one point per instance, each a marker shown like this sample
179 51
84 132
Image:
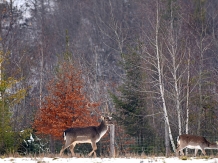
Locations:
91 134
194 142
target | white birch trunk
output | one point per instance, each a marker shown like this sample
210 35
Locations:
177 95
160 78
200 89
187 99
176 86
173 52
167 141
187 96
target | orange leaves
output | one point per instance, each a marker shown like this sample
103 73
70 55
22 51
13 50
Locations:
65 105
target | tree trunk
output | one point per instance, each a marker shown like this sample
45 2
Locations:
187 96
200 94
160 77
41 75
173 52
52 145
187 99
167 140
2 7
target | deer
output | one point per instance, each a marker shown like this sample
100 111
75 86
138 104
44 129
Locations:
194 142
90 134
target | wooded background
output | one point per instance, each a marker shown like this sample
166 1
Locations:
153 65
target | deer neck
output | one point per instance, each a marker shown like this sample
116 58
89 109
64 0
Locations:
213 146
102 128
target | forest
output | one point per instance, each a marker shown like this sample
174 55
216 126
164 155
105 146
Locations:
151 65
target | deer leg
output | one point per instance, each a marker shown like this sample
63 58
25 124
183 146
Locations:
72 149
179 149
203 151
62 150
94 147
177 152
67 144
196 151
181 152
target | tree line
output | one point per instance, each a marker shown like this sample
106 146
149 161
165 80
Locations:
152 64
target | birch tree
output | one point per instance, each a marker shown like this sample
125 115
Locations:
187 94
175 42
154 53
175 58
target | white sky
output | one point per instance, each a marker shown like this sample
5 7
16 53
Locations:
108 160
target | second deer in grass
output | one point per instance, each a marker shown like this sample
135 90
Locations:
91 134
194 142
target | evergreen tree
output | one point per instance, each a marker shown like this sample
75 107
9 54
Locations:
8 98
131 103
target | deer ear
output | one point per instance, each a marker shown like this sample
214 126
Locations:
102 117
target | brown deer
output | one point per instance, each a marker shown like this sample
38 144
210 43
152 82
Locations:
194 142
91 134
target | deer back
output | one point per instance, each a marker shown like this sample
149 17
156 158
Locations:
87 132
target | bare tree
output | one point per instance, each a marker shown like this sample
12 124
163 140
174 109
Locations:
154 53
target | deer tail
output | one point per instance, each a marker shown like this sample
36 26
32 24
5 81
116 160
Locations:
64 135
178 141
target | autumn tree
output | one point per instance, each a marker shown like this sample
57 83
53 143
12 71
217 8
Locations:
65 104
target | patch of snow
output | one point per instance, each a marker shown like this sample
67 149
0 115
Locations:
23 5
108 160
31 138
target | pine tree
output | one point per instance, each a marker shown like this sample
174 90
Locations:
131 104
9 98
